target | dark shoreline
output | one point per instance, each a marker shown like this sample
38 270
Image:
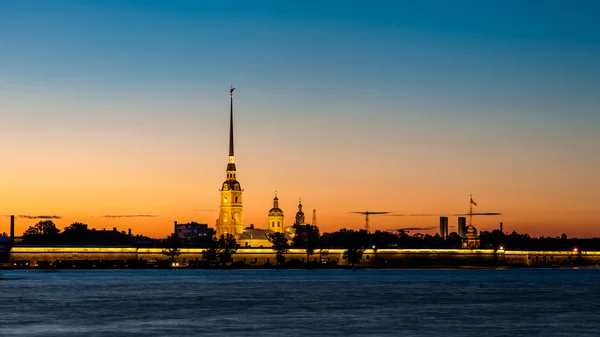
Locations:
357 268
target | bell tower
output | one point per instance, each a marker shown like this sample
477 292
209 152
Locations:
230 208
276 216
299 214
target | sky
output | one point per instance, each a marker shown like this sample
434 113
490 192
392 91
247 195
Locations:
115 113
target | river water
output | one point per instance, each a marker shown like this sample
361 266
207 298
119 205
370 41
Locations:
519 302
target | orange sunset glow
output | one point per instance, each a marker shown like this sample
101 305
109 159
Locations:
144 176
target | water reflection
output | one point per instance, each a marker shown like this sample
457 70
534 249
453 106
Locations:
300 303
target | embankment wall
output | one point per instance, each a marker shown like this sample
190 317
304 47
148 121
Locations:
390 258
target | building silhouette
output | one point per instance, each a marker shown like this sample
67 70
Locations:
444 227
462 226
190 230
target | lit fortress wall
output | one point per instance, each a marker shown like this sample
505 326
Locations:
391 258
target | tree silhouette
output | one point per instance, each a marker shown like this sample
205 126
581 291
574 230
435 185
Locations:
354 255
42 232
76 233
172 250
226 247
322 253
307 237
280 245
210 255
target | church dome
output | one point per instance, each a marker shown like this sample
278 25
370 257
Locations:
275 211
471 230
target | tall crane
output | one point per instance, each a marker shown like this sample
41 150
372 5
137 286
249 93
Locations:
366 214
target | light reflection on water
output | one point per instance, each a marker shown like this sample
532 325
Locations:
562 302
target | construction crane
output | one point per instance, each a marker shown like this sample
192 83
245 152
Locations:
366 214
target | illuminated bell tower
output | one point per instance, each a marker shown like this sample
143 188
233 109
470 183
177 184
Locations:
276 216
230 209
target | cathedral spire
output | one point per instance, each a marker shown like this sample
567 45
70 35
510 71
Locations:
231 164
230 219
231 153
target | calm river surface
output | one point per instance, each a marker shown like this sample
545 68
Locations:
521 302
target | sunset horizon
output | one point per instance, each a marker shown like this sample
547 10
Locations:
117 115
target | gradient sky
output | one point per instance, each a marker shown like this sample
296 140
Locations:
121 108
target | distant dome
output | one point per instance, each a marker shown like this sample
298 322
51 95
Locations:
471 230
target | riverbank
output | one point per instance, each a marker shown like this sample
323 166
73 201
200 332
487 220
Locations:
132 258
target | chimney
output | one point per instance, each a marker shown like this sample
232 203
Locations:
175 229
129 231
12 229
114 229
501 229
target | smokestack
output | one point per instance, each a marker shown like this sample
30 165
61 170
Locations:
129 231
12 229
175 229
501 229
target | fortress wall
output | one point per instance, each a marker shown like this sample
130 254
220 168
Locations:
51 254
551 258
390 258
407 258
592 258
